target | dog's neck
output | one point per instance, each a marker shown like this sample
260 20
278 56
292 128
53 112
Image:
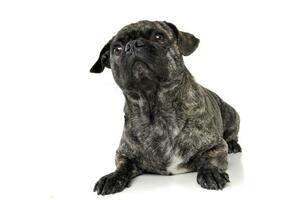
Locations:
162 98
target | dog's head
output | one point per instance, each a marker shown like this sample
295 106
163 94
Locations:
145 54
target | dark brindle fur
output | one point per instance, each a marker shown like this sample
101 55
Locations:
172 124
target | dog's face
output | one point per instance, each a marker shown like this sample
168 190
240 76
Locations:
144 54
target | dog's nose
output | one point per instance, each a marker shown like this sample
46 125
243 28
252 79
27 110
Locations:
138 43
134 44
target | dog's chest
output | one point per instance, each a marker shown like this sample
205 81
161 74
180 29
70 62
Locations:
158 146
175 165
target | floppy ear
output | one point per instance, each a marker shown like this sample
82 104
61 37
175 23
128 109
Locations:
103 60
187 42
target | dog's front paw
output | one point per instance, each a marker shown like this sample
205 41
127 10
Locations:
212 179
111 183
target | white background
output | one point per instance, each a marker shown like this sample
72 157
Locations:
60 125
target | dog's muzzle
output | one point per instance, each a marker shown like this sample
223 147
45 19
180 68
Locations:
141 70
134 45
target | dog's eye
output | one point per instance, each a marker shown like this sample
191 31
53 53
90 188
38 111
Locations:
159 37
117 50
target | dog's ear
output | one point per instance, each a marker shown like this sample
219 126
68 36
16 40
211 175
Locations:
103 60
187 42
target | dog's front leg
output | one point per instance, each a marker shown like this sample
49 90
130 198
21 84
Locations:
212 167
119 179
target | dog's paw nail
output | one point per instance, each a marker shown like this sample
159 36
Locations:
213 179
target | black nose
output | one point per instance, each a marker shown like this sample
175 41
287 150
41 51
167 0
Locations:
134 44
138 43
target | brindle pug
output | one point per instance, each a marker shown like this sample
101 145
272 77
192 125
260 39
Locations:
172 124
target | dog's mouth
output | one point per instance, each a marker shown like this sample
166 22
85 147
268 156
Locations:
142 70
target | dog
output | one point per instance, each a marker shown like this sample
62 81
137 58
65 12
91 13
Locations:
172 124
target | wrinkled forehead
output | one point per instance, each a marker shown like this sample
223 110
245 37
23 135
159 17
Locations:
142 29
